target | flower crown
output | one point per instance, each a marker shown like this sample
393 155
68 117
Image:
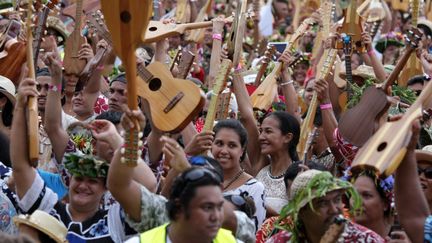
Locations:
86 165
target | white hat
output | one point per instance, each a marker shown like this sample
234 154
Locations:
7 88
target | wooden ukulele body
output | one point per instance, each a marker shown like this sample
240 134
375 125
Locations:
12 59
173 102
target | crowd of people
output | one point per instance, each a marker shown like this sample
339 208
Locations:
235 172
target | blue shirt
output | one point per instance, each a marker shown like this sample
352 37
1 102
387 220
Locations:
54 182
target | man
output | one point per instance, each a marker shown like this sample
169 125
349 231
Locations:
315 204
118 93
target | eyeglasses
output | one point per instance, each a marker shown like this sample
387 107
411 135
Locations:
200 161
198 173
40 86
427 172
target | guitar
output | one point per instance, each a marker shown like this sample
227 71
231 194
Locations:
32 108
173 102
127 21
157 30
364 117
71 63
40 27
334 231
384 151
263 96
352 26
414 66
346 95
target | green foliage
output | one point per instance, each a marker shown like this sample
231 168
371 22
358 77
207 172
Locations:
86 165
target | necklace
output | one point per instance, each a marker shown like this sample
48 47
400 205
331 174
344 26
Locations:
234 179
275 177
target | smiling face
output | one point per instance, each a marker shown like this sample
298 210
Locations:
204 215
271 138
86 192
426 183
373 206
308 92
227 148
299 72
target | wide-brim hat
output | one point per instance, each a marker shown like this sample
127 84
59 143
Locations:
424 154
45 223
426 25
391 38
58 25
362 71
7 88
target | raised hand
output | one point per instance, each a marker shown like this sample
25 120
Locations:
367 40
26 89
54 66
321 87
86 52
130 118
174 154
200 143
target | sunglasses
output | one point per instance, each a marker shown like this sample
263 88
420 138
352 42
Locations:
199 173
237 200
427 172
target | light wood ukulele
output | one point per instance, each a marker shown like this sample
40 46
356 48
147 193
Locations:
173 102
264 95
32 108
197 35
413 66
71 63
127 20
329 56
157 30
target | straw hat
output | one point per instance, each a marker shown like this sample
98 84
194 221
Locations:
45 223
424 154
362 71
426 26
7 88
56 24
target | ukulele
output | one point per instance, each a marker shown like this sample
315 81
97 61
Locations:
414 66
358 124
334 231
90 67
32 108
41 26
263 96
352 26
346 95
198 35
71 63
13 55
307 124
157 30
268 54
185 64
371 11
127 20
384 151
173 102
183 13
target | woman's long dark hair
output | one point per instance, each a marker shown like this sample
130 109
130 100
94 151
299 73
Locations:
238 128
289 124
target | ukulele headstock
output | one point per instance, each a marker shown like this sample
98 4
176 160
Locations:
132 148
347 44
96 22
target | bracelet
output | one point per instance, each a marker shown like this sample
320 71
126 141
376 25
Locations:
326 106
286 83
217 37
370 52
55 88
100 67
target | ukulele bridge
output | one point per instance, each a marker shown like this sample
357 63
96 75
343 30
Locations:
173 102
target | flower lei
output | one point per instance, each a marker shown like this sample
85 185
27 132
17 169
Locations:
86 165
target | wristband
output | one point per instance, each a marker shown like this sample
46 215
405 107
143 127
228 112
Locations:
286 83
55 88
327 106
370 52
100 67
217 37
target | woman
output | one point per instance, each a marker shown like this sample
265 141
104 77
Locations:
377 197
7 101
229 148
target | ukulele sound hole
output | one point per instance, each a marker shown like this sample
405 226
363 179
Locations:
382 146
125 16
153 28
155 84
